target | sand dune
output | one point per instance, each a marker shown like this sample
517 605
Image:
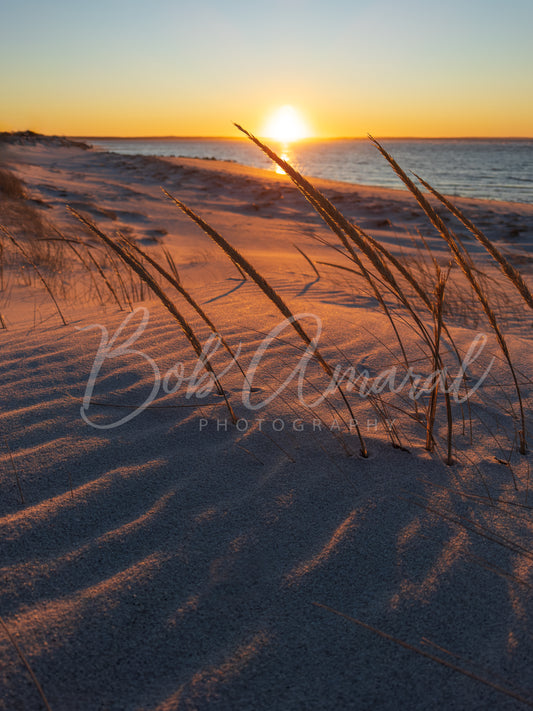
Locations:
172 561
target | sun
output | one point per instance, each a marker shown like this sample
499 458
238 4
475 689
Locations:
286 125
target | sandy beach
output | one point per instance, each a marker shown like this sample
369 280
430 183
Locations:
169 546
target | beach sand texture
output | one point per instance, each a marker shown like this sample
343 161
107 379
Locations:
181 560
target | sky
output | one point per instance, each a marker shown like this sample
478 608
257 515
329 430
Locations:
432 68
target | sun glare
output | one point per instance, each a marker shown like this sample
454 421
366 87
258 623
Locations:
286 125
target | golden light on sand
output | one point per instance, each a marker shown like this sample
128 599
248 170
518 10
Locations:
286 125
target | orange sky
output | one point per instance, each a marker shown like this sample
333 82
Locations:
351 67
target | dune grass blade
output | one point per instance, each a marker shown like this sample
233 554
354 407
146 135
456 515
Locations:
120 281
510 272
37 271
508 692
247 267
308 259
70 244
432 409
449 418
26 664
381 409
2 255
439 225
243 274
105 279
172 264
169 305
404 271
173 279
265 287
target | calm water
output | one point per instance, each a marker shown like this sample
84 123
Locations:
496 169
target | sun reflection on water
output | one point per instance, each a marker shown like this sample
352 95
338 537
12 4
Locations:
284 154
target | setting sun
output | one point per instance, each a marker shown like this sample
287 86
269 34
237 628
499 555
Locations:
286 125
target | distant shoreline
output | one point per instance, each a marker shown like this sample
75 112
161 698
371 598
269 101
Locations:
485 169
493 169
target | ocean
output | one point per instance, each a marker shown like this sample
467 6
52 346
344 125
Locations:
493 169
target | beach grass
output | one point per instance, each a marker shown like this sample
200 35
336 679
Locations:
416 295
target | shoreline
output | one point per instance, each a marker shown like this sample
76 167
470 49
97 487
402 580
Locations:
459 192
212 164
29 138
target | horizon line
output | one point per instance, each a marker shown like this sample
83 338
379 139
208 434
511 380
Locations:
88 136
301 140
